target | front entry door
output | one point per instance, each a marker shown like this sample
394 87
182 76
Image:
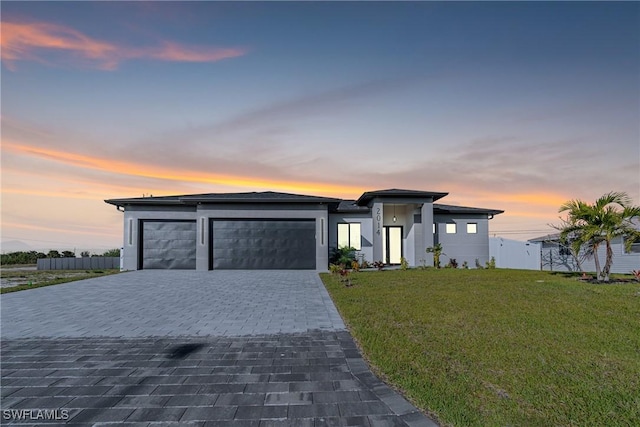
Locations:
392 244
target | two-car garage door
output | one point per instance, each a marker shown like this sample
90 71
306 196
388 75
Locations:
234 244
250 244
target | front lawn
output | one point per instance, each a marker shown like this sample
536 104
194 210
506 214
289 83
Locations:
500 347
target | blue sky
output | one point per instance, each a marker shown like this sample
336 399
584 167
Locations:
505 105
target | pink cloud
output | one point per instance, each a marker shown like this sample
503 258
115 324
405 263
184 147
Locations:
33 41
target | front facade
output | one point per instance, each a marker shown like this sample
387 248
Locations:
271 230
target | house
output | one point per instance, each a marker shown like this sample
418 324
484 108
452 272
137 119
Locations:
270 230
554 256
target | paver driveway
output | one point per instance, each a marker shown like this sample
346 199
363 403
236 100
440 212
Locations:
173 303
224 348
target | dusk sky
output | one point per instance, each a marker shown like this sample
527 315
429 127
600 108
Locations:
505 105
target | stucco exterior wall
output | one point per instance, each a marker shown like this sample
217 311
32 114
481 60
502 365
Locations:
319 213
132 217
202 216
463 246
366 230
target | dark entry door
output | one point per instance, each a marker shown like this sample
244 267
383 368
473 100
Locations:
264 244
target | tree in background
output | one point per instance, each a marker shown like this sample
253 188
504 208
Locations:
53 254
591 225
112 253
68 254
85 254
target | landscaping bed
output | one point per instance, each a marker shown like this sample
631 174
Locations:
500 347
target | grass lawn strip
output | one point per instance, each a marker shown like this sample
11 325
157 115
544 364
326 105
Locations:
500 347
19 280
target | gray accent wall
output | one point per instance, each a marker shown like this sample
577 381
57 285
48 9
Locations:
132 217
317 213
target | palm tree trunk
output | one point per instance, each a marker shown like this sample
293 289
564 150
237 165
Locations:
608 262
597 261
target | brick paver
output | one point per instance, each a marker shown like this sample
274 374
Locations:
173 303
155 348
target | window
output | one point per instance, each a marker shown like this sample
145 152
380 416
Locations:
564 250
635 247
451 228
349 235
472 228
434 228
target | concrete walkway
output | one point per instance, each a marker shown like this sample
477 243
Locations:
153 348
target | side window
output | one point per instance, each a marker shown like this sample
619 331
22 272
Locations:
349 235
450 228
472 228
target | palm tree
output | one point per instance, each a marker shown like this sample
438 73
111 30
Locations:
591 225
436 250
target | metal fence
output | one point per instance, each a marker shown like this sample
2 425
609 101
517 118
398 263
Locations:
87 263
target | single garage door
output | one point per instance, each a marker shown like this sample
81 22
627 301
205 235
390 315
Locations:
168 245
263 244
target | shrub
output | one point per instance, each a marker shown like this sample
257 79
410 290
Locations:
379 265
491 263
453 263
344 255
404 264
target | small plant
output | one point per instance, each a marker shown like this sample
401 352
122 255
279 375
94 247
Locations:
423 264
453 263
334 269
379 265
478 265
404 264
436 250
364 263
636 274
355 266
465 265
344 277
491 263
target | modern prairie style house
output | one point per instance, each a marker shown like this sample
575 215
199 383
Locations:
269 230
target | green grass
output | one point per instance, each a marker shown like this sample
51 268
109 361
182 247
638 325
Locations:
37 279
500 347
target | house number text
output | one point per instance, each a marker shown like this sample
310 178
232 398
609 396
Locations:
378 218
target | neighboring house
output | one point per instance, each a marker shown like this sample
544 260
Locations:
269 230
555 256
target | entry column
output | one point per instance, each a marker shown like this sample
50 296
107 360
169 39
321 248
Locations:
427 231
377 212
